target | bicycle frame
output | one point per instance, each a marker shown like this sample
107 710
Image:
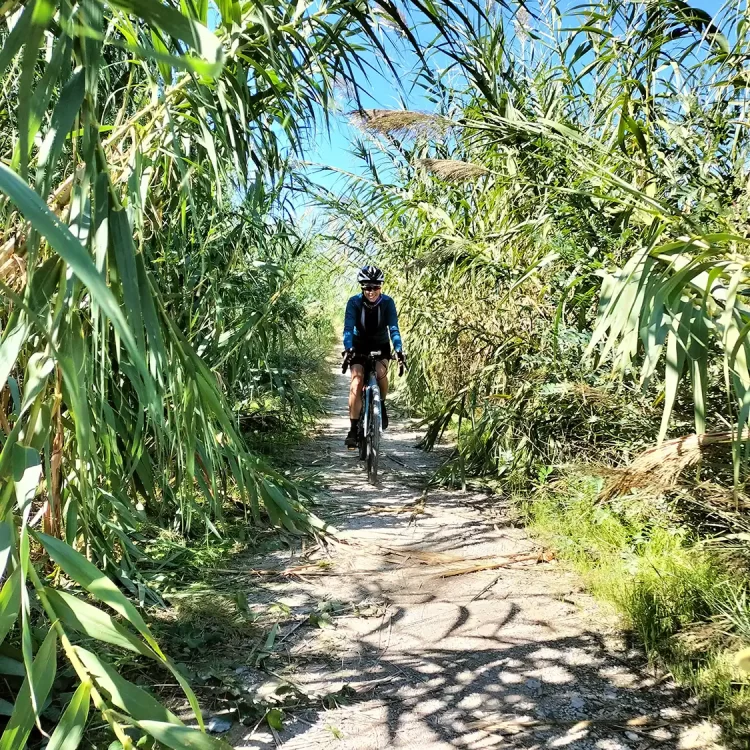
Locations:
368 434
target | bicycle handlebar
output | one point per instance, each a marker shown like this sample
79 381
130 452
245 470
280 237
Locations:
376 356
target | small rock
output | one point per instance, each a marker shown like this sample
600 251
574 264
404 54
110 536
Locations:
533 685
632 736
219 724
577 702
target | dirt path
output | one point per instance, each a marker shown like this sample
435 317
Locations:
517 656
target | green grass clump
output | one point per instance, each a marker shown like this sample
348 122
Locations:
689 606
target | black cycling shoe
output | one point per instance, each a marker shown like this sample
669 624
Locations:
383 414
351 440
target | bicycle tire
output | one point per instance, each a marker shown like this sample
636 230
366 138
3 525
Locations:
362 444
361 436
373 453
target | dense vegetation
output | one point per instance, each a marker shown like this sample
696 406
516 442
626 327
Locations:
567 236
565 233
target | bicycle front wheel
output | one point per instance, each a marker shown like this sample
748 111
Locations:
362 428
373 437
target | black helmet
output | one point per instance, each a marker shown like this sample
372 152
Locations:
370 275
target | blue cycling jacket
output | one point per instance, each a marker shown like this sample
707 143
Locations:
386 322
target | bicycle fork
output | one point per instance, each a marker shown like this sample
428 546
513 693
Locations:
375 395
366 411
372 392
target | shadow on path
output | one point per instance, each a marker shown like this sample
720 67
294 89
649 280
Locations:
515 657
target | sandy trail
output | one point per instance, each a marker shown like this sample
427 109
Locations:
517 656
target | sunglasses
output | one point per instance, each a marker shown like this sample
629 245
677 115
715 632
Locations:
371 288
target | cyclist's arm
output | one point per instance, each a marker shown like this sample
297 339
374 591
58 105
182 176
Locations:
391 320
350 319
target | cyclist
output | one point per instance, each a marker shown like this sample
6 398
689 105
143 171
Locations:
369 321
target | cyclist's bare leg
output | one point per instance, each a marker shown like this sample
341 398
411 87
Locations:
355 390
382 375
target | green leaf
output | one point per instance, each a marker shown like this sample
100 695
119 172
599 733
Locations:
10 602
7 545
230 11
180 27
96 583
37 439
151 319
699 374
636 130
28 113
10 666
85 618
677 339
38 369
278 507
185 685
73 253
274 718
698 353
93 622
125 695
69 732
162 49
617 300
43 670
27 471
197 9
124 252
18 35
179 737
14 337
63 119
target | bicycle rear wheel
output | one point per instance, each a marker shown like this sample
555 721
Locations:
373 437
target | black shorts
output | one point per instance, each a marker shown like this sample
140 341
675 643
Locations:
363 348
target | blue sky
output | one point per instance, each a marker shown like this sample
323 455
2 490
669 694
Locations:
332 147
379 90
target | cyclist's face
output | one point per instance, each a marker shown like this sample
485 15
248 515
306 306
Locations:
371 292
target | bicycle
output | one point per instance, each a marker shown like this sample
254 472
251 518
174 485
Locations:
370 416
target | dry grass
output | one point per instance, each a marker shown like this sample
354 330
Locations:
445 564
12 266
658 468
374 510
214 613
717 496
504 561
452 170
401 122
